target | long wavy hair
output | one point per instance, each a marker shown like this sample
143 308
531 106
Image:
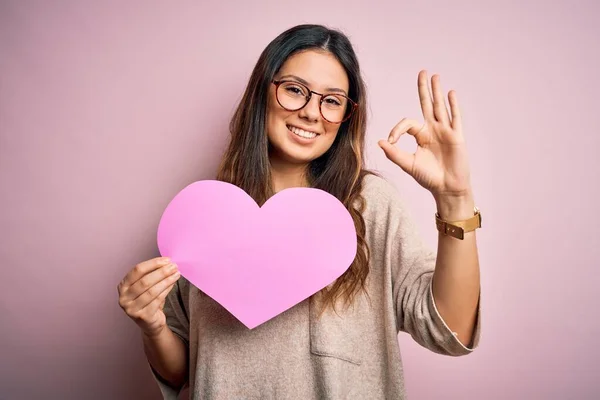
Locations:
340 171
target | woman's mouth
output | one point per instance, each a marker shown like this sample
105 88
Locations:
302 133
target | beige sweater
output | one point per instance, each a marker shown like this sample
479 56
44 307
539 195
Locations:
353 355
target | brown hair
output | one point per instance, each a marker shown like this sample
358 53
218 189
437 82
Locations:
340 171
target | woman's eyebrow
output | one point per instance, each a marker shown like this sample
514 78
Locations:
307 84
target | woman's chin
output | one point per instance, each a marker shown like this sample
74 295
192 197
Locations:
292 155
295 158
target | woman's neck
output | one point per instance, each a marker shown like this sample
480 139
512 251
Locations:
287 175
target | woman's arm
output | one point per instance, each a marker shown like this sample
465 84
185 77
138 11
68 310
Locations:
168 356
456 283
440 164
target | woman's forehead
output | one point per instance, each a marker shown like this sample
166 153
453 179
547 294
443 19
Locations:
319 70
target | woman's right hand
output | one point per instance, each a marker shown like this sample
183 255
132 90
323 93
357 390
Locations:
143 291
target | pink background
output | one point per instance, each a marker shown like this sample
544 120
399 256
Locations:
108 110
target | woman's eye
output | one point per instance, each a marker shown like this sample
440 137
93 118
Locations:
295 90
333 101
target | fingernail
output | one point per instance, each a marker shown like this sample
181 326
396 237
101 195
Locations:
390 138
166 260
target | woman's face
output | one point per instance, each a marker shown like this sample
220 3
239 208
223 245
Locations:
301 136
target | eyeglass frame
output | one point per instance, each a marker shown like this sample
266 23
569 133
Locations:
309 97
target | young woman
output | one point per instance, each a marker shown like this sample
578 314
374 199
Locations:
302 122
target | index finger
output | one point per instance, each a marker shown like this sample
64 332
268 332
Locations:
410 126
142 269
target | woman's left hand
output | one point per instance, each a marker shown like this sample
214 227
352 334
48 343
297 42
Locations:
440 163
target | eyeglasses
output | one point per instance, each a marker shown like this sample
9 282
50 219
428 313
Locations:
293 96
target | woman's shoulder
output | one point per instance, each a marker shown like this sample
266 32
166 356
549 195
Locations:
377 189
382 199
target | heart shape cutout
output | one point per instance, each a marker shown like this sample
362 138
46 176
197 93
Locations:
256 261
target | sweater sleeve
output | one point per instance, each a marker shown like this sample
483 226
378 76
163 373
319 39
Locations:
411 265
178 321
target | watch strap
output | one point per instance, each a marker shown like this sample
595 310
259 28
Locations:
457 229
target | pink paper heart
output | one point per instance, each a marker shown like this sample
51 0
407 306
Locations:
257 262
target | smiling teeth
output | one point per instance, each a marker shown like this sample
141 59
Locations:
302 133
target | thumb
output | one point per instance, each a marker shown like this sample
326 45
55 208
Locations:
399 157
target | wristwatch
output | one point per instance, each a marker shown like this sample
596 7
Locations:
457 229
